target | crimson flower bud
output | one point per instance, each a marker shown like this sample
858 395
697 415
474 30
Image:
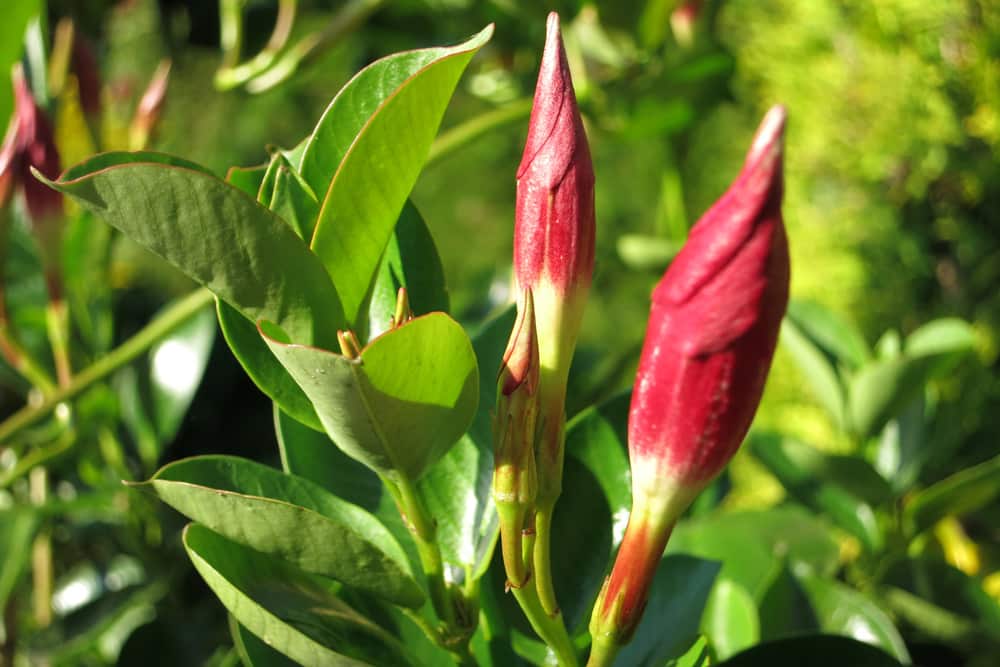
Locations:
711 336
683 20
554 262
33 146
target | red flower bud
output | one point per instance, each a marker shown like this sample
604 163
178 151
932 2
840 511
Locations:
712 332
30 143
683 21
150 107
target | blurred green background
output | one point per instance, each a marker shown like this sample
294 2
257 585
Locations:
892 180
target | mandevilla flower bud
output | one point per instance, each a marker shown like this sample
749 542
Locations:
150 107
712 331
553 261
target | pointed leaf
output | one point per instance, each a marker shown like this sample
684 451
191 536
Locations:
402 404
730 621
216 234
387 117
836 337
292 519
293 612
818 371
963 492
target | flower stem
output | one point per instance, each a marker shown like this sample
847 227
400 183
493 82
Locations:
550 629
603 651
176 315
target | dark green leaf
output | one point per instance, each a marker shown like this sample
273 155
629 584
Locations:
216 234
411 260
290 518
596 486
383 123
816 480
403 403
815 651
295 613
253 651
844 611
963 492
669 625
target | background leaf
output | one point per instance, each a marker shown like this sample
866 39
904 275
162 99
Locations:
964 491
730 620
815 651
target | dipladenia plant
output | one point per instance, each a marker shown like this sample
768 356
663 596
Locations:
373 544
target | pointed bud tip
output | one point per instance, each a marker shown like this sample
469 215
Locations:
770 135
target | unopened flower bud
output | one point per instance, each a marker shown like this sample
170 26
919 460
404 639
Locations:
147 113
711 336
554 261
684 20
515 422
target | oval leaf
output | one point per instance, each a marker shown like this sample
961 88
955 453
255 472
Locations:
216 234
293 612
403 403
387 118
292 519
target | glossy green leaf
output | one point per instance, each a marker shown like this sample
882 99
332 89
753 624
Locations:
963 492
816 367
252 649
669 626
292 519
295 613
835 336
17 530
806 475
247 179
883 388
785 609
292 199
216 234
458 489
595 485
844 611
730 620
176 366
411 260
383 123
749 544
815 651
403 403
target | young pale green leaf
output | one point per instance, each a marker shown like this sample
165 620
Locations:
812 650
817 370
963 492
411 260
804 474
730 620
17 530
291 198
458 489
841 610
252 649
292 519
216 234
401 405
382 123
295 613
669 625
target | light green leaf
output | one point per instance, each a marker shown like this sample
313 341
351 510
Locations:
292 519
252 649
382 123
819 372
730 620
401 405
963 492
836 337
17 13
844 611
216 234
17 530
293 612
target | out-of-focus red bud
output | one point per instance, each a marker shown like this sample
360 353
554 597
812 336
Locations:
711 336
88 77
34 147
684 19
150 107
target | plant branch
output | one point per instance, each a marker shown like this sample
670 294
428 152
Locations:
470 130
176 315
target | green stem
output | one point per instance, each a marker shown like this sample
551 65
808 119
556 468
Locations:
603 651
179 313
57 322
542 558
22 362
41 552
551 629
470 130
